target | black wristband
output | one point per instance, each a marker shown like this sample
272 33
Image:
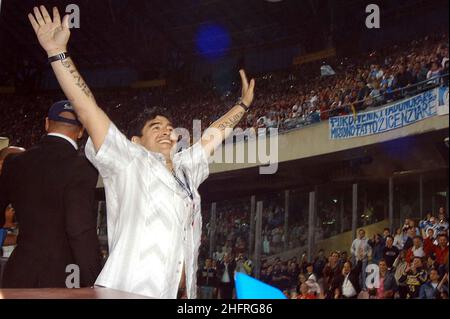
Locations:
243 105
59 57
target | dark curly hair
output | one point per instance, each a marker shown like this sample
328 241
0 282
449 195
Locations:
136 126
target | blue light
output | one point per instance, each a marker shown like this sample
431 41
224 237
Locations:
212 40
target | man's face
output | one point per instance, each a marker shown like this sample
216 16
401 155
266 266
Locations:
208 263
157 136
442 241
383 266
346 269
304 288
362 233
389 242
416 242
9 214
434 276
417 263
333 257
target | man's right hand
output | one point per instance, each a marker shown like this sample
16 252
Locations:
52 34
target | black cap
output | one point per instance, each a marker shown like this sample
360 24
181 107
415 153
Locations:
63 106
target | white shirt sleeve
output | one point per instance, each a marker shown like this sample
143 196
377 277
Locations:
115 154
195 161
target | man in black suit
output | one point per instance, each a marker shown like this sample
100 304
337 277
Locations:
52 190
225 273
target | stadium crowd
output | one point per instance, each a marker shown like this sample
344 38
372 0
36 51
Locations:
284 100
412 263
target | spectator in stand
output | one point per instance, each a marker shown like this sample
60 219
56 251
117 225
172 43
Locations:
412 225
428 242
443 223
319 263
301 280
410 234
362 250
400 266
377 245
423 72
225 272
416 250
398 239
414 277
305 292
390 252
331 270
303 263
387 85
310 272
387 284
343 257
293 273
363 93
386 232
429 290
425 223
375 95
404 77
444 73
277 276
9 228
434 73
346 285
433 224
207 280
441 251
443 287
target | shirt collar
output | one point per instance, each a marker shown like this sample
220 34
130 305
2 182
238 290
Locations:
161 158
68 139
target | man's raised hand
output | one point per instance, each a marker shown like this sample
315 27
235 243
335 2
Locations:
52 34
247 89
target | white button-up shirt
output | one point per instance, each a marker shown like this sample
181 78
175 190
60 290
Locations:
153 226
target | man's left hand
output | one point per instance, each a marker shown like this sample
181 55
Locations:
247 89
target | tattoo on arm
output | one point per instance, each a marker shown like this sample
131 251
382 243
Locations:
77 77
230 122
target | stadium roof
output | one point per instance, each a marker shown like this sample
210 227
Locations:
137 33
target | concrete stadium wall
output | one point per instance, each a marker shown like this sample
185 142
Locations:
314 140
341 242
4 142
344 241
